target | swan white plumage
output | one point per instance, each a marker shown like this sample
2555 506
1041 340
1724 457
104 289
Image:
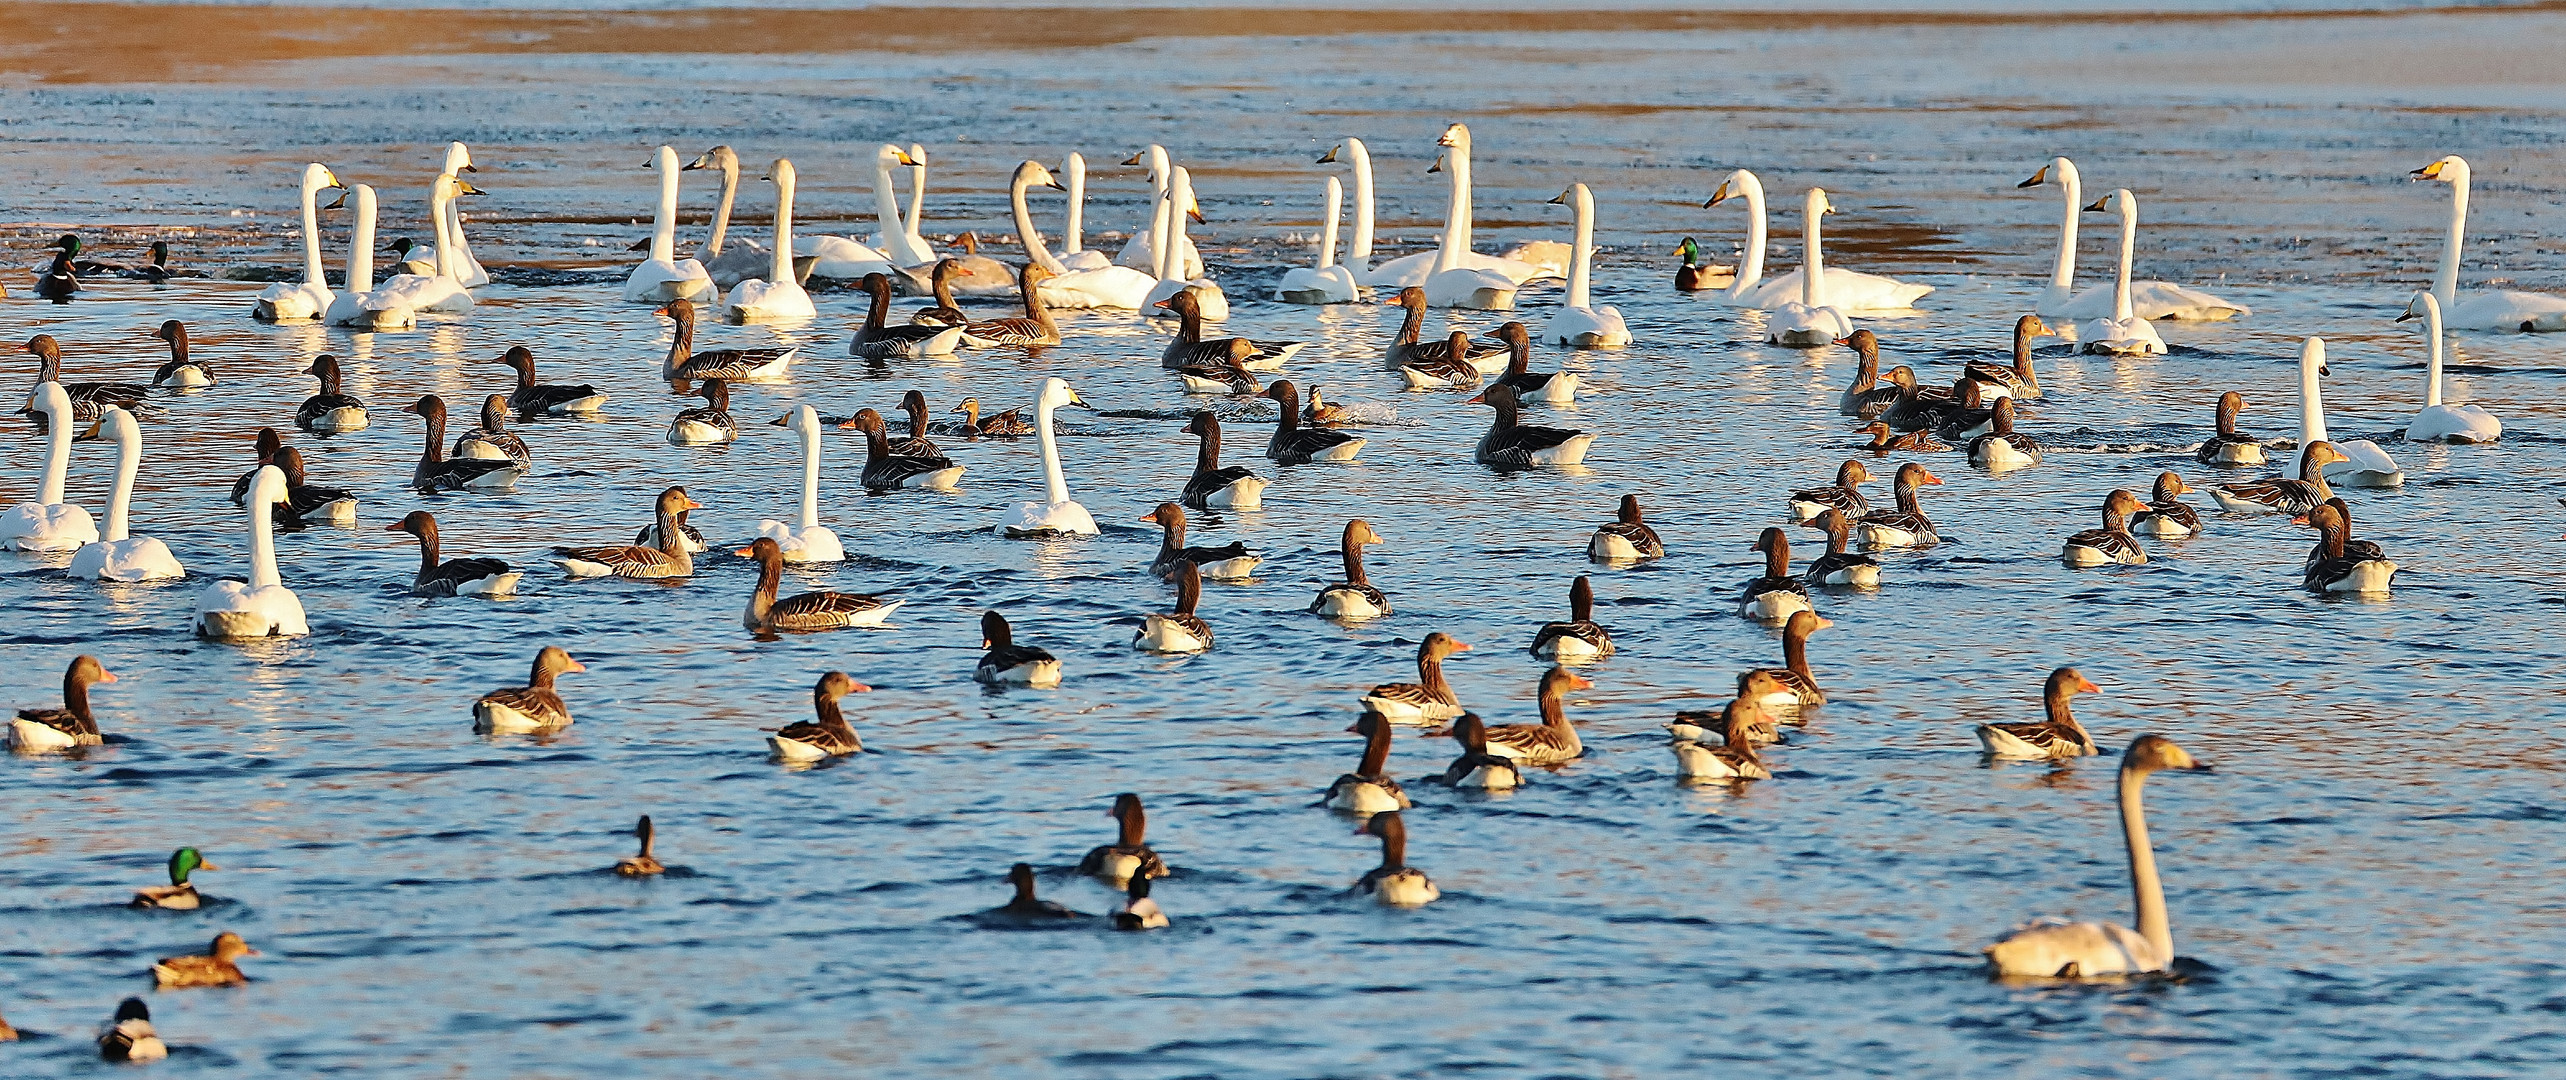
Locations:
357 305
1578 322
2438 422
261 606
1073 251
1359 256
2063 950
892 236
2507 310
291 301
1210 302
441 290
729 262
809 542
1141 251
1108 287
1453 251
448 228
1846 290
1812 320
48 523
778 297
1326 283
2366 466
117 556
2149 299
663 276
2123 332
841 258
1056 515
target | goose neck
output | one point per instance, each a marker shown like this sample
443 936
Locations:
1353 555
1376 749
1795 652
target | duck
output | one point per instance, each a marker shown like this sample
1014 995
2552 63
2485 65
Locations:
2111 544
1845 494
491 440
2338 568
1025 907
1033 330
1129 855
117 555
1968 414
1695 275
1512 445
1228 375
180 894
131 1037
1476 767
1777 594
1230 562
821 610
436 472
826 734
1907 525
1319 413
2018 380
490 579
641 863
2438 422
1212 487
261 606
2059 736
1428 699
2353 547
2166 515
1626 538
662 276
2283 496
1554 741
2227 445
877 340
684 364
533 708
1006 425
1139 912
1009 664
2063 950
302 301
182 372
88 399
1056 515
1404 348
532 398
886 470
1865 396
1179 631
1369 789
913 406
1533 387
1839 567
158 270
669 558
305 502
217 967
37 731
1445 370
329 412
1293 444
1353 598
1883 443
2364 464
1735 757
2002 448
709 424
1579 640
1394 883
805 541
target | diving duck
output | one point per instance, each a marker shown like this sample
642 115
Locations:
876 340
47 730
1369 789
1354 597
490 578
826 734
1025 907
1129 855
642 864
1429 698
1579 640
821 610
1777 594
1532 387
1845 494
2284 496
329 412
2059 736
2112 543
1007 663
670 558
1293 444
1229 562
532 398
1907 525
1178 631
2227 445
1394 883
2002 447
887 470
1512 445
1839 566
1213 487
130 1037
437 472
707 424
180 894
217 967
2166 515
492 440
532 708
1476 767
1139 912
1554 740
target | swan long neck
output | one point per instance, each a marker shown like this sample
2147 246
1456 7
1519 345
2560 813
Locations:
1054 484
2062 273
450 235
264 494
663 229
129 460
809 422
2149 892
2432 365
1813 255
2311 395
1461 180
1327 240
917 191
1580 257
312 274
1456 212
2445 281
1361 253
1750 270
781 271
1076 167
360 245
57 446
441 202
1026 234
1172 258
2121 308
722 210
1159 229
886 209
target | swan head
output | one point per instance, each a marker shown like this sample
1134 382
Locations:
719 157
2423 305
1818 203
317 177
458 158
1457 136
268 487
664 160
780 173
114 425
2059 171
2156 753
803 420
2451 170
1056 393
1329 158
2312 356
2119 201
1032 174
53 401
888 155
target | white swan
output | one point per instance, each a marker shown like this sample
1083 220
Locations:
262 606
1846 290
2149 299
441 290
809 542
2507 310
1057 516
778 297
117 556
1358 256
2123 332
1812 320
2366 466
728 261
48 523
663 276
1326 283
892 236
448 227
1748 284
2063 950
1073 251
289 301
1453 251
2438 422
1210 302
1141 251
1109 287
361 305
1578 322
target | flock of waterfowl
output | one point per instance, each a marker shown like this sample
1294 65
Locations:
1979 411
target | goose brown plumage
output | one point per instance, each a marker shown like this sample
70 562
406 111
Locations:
1394 883
2017 380
2112 543
1229 562
1840 566
1293 444
1626 538
1578 640
2002 447
1006 662
826 734
1034 329
1354 597
1405 348
1510 444
1116 863
2335 566
2285 496
1735 758
1178 631
1428 699
532 398
2058 736
1554 740
1369 789
886 469
1797 685
329 411
876 340
643 863
452 577
1883 443
535 707
1845 494
669 559
72 725
1212 487
437 472
2226 445
822 610
492 439
1777 594
2166 514
1907 525
685 365
1476 767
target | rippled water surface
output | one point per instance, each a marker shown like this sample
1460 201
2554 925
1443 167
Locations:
2367 881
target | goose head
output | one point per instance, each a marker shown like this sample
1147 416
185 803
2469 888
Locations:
419 523
2170 484
1440 646
1358 533
551 663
